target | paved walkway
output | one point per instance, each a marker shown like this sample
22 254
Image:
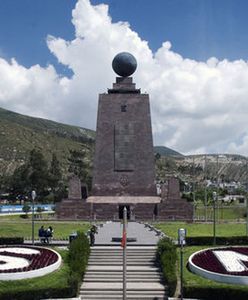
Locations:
144 234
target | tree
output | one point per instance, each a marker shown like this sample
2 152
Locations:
33 175
38 172
55 173
39 211
26 209
18 182
79 165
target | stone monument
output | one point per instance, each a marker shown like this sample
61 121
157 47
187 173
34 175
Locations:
124 159
124 164
124 170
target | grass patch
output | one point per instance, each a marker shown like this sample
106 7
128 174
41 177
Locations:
23 227
202 229
223 213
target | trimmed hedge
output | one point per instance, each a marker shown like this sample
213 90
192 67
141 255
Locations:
220 293
208 240
37 294
78 256
167 257
11 240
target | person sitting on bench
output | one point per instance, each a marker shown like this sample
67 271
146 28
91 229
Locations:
49 234
42 234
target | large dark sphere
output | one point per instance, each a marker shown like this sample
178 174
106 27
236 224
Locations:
124 64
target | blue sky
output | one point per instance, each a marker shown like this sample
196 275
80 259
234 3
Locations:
25 24
197 29
55 58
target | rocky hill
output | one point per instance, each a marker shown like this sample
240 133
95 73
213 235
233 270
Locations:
19 134
221 167
165 151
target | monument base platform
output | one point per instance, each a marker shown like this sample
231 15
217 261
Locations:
112 209
139 208
123 199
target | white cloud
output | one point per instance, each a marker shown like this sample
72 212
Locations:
196 106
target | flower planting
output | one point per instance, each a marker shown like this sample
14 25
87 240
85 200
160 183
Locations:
27 262
226 264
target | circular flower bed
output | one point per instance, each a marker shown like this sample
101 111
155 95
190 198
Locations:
22 262
226 264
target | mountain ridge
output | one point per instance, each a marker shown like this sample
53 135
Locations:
19 134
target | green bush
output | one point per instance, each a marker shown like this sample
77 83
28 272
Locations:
167 257
38 293
220 293
78 255
11 240
208 240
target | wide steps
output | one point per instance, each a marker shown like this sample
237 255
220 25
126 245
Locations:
118 277
117 286
104 277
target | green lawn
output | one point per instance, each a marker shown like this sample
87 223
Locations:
223 212
202 229
12 226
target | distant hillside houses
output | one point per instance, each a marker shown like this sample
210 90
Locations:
231 187
239 199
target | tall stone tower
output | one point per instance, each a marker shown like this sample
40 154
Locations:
124 159
124 170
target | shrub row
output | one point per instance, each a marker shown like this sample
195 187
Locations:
78 255
38 293
220 293
11 240
208 240
167 257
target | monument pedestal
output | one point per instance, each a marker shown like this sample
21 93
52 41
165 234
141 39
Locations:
74 207
172 206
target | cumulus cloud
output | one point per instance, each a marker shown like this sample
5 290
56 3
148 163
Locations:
196 106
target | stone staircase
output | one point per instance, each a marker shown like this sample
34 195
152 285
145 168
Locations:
104 277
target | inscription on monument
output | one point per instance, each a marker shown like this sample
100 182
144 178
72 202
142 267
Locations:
124 146
124 180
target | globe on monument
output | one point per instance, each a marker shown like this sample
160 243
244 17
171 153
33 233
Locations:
124 64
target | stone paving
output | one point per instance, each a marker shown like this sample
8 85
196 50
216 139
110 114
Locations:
144 235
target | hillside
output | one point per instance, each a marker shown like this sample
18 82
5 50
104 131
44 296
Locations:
19 134
224 167
165 151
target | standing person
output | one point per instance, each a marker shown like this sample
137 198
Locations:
94 228
92 236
